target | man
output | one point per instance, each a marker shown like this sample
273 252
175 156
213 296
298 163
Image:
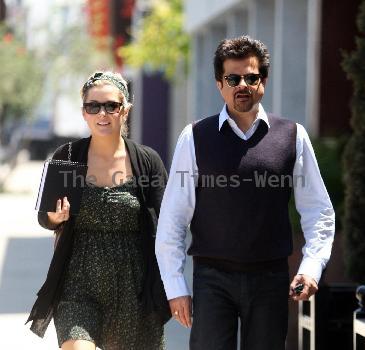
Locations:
231 179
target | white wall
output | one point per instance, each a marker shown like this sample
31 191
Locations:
294 57
200 12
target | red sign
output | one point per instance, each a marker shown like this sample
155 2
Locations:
99 19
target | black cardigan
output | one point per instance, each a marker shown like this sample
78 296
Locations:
145 162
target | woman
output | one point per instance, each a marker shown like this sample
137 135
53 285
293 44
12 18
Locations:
103 287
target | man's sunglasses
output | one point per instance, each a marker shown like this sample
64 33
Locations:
95 107
234 80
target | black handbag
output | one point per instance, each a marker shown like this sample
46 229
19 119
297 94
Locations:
57 234
159 296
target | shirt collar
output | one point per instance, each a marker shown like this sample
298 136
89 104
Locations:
223 116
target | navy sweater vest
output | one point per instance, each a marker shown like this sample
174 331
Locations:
241 213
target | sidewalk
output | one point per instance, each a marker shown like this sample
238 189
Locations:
25 253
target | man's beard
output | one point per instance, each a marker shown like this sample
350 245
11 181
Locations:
243 107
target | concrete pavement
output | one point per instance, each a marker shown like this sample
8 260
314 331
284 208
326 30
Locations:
25 253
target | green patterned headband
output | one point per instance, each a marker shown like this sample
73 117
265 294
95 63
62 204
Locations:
103 76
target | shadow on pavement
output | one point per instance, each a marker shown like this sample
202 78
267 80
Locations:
24 270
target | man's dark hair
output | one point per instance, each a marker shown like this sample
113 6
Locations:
238 48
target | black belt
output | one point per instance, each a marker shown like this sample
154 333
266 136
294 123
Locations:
228 265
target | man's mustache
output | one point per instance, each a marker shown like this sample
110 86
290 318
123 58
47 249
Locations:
243 92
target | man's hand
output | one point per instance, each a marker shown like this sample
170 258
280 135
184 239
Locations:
310 287
62 212
181 309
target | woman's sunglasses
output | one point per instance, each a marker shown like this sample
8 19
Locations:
95 107
234 80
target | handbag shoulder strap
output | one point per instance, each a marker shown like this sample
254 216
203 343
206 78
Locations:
69 151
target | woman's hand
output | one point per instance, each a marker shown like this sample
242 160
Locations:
62 212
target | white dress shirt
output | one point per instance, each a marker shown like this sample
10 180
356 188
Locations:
177 208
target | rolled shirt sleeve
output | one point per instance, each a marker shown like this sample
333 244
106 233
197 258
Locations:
176 212
315 208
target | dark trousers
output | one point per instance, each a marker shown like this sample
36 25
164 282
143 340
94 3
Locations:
258 299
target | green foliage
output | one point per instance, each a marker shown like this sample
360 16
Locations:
329 154
354 160
21 77
160 43
70 56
